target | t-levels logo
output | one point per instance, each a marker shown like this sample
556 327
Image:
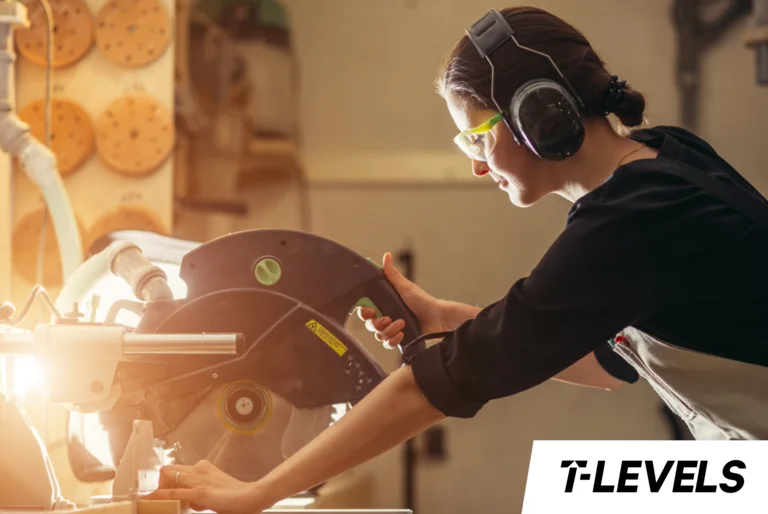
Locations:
686 471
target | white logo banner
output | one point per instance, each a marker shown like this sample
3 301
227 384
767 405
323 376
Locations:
648 477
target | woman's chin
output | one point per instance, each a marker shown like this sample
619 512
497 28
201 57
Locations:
520 198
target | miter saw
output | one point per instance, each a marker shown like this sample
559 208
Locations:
245 370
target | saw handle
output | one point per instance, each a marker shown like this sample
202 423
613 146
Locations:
388 302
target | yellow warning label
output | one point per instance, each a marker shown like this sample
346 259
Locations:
328 338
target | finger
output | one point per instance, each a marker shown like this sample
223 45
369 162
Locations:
191 495
366 313
177 476
393 329
391 344
378 324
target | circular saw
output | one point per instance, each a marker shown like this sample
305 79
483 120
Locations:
296 370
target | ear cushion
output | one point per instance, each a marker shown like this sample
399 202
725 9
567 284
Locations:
547 117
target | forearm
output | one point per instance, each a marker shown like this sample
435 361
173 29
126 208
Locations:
454 314
392 413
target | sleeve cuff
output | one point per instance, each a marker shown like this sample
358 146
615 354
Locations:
432 378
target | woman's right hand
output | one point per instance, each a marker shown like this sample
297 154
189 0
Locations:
427 308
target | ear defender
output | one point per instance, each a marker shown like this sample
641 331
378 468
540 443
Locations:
547 119
543 114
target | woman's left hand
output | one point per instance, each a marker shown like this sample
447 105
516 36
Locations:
206 487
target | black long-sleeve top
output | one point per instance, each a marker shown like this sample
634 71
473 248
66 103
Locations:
646 249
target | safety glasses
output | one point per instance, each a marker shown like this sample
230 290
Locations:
478 142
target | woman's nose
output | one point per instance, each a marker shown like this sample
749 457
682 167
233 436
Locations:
479 168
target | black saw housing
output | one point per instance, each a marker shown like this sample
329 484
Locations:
288 293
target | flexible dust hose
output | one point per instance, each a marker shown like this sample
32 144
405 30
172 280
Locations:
148 282
87 276
123 259
39 163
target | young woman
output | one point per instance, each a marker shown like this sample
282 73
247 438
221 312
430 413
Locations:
660 271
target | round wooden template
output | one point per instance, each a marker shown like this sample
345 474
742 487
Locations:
125 217
134 135
73 29
72 137
132 33
26 246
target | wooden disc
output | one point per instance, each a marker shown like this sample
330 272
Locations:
73 27
26 246
72 138
125 217
132 33
134 135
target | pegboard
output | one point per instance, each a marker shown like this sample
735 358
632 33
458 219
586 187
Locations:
98 78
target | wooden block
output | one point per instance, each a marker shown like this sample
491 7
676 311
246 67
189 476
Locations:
124 507
159 507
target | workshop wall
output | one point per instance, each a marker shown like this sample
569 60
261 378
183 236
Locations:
370 116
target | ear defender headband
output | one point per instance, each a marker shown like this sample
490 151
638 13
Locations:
543 114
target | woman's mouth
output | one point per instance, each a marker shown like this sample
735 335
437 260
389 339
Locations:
500 181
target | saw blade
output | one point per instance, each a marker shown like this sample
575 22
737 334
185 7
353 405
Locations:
245 429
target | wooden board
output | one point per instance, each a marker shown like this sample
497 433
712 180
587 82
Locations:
95 82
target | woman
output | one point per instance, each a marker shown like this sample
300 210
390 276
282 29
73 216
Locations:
659 271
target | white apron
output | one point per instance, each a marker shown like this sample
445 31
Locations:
718 398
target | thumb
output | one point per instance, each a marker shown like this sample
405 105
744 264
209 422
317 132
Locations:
394 276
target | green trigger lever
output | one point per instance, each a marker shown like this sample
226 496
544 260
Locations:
367 302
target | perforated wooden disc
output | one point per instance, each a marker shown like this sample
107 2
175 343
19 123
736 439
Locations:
125 217
72 138
132 33
73 27
26 246
134 135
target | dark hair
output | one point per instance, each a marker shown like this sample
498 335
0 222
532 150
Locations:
468 76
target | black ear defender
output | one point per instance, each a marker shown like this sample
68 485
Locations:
545 115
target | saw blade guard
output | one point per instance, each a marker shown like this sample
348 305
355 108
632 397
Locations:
290 294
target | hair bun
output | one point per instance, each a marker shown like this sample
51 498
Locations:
626 103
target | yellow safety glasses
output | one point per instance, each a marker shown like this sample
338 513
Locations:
478 142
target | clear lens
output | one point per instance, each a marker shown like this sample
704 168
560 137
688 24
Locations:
477 146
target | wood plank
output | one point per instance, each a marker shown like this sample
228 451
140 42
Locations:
159 507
